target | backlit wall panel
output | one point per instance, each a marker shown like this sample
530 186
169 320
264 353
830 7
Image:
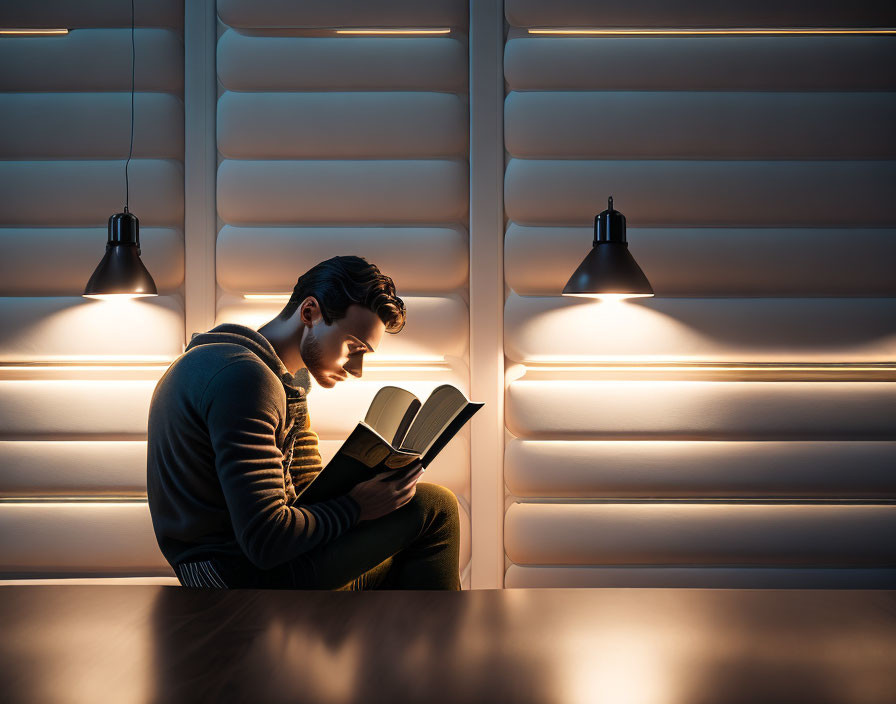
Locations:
736 429
76 375
333 144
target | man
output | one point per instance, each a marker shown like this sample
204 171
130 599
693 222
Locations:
230 447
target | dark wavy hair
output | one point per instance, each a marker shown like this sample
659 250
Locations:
339 282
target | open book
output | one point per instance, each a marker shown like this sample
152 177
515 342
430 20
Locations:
396 431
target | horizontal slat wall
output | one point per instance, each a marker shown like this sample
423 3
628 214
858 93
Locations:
847 410
79 434
82 60
704 193
756 175
401 125
278 14
685 124
701 329
716 63
715 261
256 63
640 469
702 577
366 154
245 252
699 13
79 539
436 326
693 534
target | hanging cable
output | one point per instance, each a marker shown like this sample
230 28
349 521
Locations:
131 149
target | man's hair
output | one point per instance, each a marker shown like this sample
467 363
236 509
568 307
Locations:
339 282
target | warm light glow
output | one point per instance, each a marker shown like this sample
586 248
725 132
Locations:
88 367
578 367
401 368
33 32
393 31
117 296
384 359
112 360
267 296
118 500
673 32
610 297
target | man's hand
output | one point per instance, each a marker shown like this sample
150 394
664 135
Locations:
387 491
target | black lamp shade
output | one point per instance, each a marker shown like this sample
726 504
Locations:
120 272
609 269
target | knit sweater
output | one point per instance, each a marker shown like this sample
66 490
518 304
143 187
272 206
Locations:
229 446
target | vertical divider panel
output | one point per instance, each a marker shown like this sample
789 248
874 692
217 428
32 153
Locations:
487 289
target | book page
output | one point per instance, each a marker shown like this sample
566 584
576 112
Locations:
366 445
443 404
391 413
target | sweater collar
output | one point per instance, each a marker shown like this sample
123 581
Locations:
258 344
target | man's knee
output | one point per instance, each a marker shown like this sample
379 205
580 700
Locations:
437 502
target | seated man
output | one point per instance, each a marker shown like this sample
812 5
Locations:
230 447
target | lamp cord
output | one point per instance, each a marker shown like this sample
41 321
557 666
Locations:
131 149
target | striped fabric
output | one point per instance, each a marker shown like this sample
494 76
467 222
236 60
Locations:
199 574
306 461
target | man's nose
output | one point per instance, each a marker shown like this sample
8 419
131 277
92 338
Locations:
355 367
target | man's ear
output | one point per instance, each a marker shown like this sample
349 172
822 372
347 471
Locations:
309 311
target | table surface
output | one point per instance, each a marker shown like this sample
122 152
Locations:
161 644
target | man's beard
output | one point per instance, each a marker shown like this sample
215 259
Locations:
311 356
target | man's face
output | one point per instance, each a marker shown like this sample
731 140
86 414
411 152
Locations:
332 352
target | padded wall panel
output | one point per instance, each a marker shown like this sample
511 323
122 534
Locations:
701 329
342 13
58 261
707 261
90 125
85 193
653 192
283 192
697 125
700 534
466 543
697 13
771 63
681 469
93 60
755 173
435 326
50 328
265 63
521 576
78 539
96 13
270 259
72 468
60 409
694 410
341 125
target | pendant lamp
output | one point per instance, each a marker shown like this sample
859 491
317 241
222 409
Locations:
121 273
609 271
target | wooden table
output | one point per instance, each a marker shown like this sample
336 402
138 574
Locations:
155 643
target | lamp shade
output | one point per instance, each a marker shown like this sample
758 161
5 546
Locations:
609 270
120 272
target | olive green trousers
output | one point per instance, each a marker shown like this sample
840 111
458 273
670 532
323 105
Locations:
416 546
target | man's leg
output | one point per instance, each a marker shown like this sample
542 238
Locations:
416 546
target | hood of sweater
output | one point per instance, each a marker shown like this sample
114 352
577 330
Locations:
234 334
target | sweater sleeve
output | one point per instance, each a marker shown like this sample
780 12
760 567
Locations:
241 404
